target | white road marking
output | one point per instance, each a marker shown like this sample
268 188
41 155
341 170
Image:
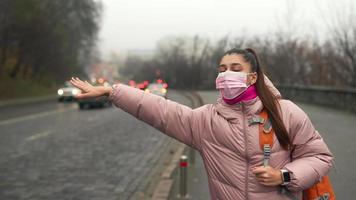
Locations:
38 135
34 116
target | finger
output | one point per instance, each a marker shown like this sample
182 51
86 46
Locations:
76 84
261 179
80 81
85 83
259 170
88 84
269 183
82 88
264 179
77 80
264 175
265 183
74 79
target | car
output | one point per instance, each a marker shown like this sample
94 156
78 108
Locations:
157 89
143 85
95 102
67 92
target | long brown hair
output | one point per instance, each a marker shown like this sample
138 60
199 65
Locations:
269 100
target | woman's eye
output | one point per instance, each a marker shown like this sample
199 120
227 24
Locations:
222 69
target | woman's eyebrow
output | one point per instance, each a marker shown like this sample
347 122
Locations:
235 63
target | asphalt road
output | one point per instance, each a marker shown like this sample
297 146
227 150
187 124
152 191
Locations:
55 151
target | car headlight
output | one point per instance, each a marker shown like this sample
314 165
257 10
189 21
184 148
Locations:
75 92
60 92
147 90
164 91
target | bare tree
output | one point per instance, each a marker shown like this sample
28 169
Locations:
342 26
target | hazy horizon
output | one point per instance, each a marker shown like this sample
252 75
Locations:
137 25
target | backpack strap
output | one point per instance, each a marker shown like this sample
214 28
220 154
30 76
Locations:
266 135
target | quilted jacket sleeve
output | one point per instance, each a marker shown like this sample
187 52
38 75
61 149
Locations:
311 158
175 120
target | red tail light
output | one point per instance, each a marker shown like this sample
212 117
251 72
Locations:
132 83
141 86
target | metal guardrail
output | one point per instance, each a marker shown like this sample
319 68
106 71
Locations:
341 98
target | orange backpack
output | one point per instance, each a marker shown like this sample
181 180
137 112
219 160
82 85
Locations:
322 190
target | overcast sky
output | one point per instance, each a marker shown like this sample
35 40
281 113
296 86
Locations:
138 24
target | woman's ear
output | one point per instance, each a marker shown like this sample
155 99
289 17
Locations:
252 78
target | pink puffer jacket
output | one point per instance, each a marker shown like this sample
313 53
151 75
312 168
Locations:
229 146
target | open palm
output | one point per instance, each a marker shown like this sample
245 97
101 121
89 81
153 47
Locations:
88 90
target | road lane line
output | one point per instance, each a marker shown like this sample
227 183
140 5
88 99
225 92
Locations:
34 116
39 135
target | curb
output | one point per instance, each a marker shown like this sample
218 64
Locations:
192 96
163 188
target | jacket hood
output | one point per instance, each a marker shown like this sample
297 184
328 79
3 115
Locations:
272 88
250 107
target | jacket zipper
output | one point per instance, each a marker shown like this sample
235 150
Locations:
246 153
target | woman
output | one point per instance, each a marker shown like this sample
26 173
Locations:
227 142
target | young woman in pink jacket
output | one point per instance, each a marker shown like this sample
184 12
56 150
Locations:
225 138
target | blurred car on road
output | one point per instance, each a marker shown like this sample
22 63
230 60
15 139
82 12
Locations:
157 89
67 92
143 85
101 102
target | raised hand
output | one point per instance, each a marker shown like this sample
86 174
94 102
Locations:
88 90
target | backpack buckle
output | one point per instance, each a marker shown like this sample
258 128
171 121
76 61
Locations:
266 154
267 126
256 120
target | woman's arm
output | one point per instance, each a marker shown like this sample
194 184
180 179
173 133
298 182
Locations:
311 158
175 120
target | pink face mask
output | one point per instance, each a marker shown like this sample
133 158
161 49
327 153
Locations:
231 84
